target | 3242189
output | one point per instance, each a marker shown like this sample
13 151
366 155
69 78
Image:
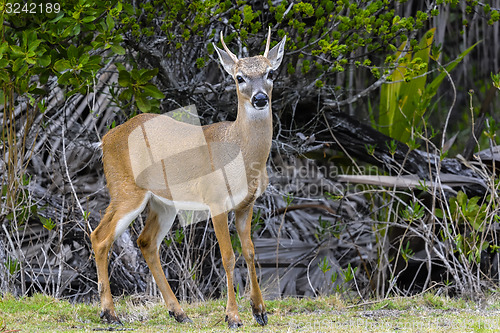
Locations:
32 8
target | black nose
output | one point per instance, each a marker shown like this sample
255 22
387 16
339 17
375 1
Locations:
260 100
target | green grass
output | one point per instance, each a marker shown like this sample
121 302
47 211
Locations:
427 313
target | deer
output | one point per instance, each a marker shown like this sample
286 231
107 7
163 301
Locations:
156 161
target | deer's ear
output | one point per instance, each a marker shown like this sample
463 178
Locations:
227 60
275 55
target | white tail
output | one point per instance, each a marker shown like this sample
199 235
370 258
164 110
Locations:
171 165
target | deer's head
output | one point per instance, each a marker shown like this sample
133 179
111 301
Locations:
253 76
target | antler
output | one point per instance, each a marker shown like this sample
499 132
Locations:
231 54
268 42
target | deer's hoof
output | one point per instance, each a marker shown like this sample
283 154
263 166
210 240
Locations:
180 317
259 313
261 318
110 317
233 323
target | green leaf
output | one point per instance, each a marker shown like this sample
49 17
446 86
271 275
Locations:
142 103
124 78
22 71
147 75
129 9
462 199
25 39
135 74
17 51
17 64
62 65
389 94
37 91
88 19
84 59
4 76
58 17
110 22
151 90
72 52
76 29
44 77
63 79
66 32
120 66
125 95
44 60
4 47
33 45
432 87
118 49
30 61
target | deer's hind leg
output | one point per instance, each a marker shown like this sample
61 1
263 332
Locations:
118 216
158 223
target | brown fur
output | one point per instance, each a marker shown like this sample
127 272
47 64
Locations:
250 134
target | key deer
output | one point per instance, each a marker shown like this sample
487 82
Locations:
156 161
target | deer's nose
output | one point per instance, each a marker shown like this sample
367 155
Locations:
259 100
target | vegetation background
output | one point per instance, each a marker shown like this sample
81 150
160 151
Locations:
384 176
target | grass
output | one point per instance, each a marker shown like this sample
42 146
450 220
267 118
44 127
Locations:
426 313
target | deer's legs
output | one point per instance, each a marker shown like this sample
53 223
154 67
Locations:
101 243
158 223
115 221
243 221
228 260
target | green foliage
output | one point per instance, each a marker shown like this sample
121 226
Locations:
392 146
349 274
468 211
22 208
333 197
177 236
400 101
326 229
370 149
288 199
414 211
324 265
403 101
47 222
324 36
147 95
73 44
496 80
470 216
406 252
77 41
12 265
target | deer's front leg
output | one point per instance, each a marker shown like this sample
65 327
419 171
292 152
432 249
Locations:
244 226
226 250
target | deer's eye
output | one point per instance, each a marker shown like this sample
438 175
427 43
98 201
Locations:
240 79
270 75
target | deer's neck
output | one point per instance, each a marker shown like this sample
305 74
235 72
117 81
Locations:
255 131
